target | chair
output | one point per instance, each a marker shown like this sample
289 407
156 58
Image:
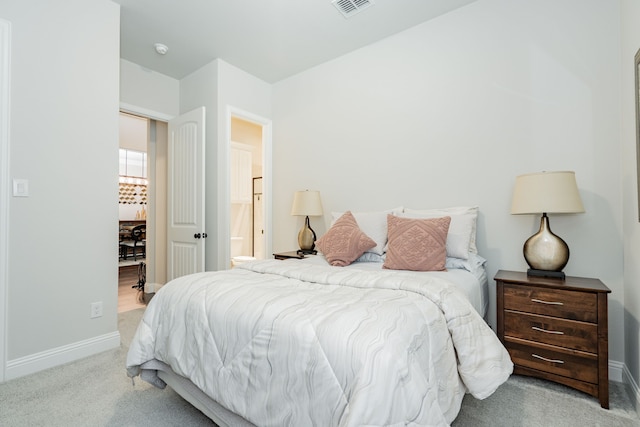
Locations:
136 240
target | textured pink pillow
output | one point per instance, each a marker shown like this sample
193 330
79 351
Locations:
417 244
344 242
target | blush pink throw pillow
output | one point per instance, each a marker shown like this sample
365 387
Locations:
417 244
344 242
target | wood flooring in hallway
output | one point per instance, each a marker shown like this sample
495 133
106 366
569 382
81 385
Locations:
128 298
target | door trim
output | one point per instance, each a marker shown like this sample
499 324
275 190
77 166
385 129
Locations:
144 112
224 197
5 44
154 268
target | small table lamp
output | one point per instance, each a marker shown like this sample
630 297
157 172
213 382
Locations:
543 193
306 203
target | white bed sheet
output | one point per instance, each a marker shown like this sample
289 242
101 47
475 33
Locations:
470 276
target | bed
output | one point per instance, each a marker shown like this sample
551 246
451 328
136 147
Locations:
312 342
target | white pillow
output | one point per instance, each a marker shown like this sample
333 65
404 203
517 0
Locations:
370 257
373 224
462 231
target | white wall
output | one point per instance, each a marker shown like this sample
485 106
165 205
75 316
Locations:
220 86
148 92
63 130
630 45
239 91
157 217
449 112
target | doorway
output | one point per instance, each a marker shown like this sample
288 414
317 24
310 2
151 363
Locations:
245 170
133 205
142 201
248 203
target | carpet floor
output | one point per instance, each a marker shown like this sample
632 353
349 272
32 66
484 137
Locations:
96 391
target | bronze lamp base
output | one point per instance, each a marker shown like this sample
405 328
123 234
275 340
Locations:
307 238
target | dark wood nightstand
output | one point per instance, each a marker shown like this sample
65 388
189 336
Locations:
556 329
288 255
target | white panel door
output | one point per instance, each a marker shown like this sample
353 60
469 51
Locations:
240 173
185 195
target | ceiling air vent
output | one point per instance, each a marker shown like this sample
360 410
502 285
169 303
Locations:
348 8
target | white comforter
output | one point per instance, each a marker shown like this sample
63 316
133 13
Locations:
284 343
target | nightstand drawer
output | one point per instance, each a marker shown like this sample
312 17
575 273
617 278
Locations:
550 330
582 367
552 302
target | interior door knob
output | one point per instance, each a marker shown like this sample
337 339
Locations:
197 235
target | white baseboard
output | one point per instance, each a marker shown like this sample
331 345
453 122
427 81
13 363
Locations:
619 372
632 388
58 356
616 370
152 288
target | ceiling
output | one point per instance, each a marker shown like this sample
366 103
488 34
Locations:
270 39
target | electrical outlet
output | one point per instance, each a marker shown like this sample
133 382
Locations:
96 309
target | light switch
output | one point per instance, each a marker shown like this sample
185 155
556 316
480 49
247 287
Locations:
20 188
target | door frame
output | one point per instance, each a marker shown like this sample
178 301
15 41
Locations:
224 196
5 45
152 284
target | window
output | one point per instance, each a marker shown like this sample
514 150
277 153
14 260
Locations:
133 163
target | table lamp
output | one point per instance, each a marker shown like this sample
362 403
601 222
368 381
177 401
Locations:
306 203
546 193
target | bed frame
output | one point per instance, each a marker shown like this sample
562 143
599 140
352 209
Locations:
192 394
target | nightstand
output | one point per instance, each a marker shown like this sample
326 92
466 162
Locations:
288 255
556 329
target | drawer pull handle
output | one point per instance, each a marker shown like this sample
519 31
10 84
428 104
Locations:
547 360
546 302
535 328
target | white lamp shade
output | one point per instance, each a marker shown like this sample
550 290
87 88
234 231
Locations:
306 203
546 192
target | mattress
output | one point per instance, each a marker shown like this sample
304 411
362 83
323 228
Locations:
303 343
